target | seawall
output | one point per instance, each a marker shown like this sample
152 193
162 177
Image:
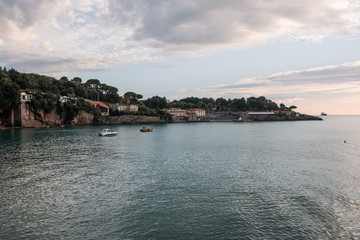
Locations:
126 119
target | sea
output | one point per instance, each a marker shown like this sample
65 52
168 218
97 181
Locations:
231 180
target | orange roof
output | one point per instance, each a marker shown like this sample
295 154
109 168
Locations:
196 109
99 103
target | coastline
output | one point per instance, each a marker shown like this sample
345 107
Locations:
85 120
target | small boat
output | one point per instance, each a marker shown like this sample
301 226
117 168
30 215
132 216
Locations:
323 114
107 132
146 129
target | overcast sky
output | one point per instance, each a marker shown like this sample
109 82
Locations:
298 52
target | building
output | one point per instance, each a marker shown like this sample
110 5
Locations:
286 112
65 99
176 112
104 109
130 108
197 111
25 97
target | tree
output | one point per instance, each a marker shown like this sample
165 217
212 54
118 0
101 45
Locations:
282 106
156 102
94 83
221 104
43 101
71 111
76 79
292 107
9 94
238 104
64 78
133 97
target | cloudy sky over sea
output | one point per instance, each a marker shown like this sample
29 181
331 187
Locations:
300 52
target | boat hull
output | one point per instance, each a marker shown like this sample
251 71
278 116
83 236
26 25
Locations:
107 132
107 135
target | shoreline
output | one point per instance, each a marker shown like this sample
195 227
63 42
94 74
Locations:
141 120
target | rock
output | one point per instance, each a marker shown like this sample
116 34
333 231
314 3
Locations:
83 118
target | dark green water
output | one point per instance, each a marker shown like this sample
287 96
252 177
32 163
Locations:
265 180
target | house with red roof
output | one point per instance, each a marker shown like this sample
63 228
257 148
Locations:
104 109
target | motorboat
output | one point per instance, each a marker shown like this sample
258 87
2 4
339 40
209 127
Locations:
323 114
107 132
146 129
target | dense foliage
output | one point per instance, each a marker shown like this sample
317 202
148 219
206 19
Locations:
9 92
92 89
47 90
221 104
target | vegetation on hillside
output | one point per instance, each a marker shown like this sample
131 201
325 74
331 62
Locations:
47 90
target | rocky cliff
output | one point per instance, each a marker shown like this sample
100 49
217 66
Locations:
83 118
29 119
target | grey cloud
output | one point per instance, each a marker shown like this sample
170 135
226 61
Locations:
22 14
197 25
46 64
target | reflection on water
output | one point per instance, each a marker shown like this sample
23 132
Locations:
183 181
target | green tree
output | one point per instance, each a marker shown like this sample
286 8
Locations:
9 94
43 101
133 97
76 79
71 111
221 104
94 83
292 107
282 106
156 102
238 104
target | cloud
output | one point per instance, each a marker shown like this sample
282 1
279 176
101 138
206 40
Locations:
18 18
55 37
343 78
65 35
180 26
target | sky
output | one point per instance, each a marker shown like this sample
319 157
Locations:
298 52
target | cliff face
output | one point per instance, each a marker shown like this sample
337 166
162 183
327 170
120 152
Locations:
28 119
83 118
127 119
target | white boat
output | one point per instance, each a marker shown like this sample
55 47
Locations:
107 132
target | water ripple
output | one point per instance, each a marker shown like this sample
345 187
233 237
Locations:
238 181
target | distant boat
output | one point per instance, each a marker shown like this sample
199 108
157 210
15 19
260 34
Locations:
107 132
323 114
145 129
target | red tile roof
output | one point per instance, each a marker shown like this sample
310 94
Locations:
99 103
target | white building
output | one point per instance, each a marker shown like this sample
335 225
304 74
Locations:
25 97
130 108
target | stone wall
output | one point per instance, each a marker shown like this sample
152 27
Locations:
127 119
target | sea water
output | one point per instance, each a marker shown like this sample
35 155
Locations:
256 180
